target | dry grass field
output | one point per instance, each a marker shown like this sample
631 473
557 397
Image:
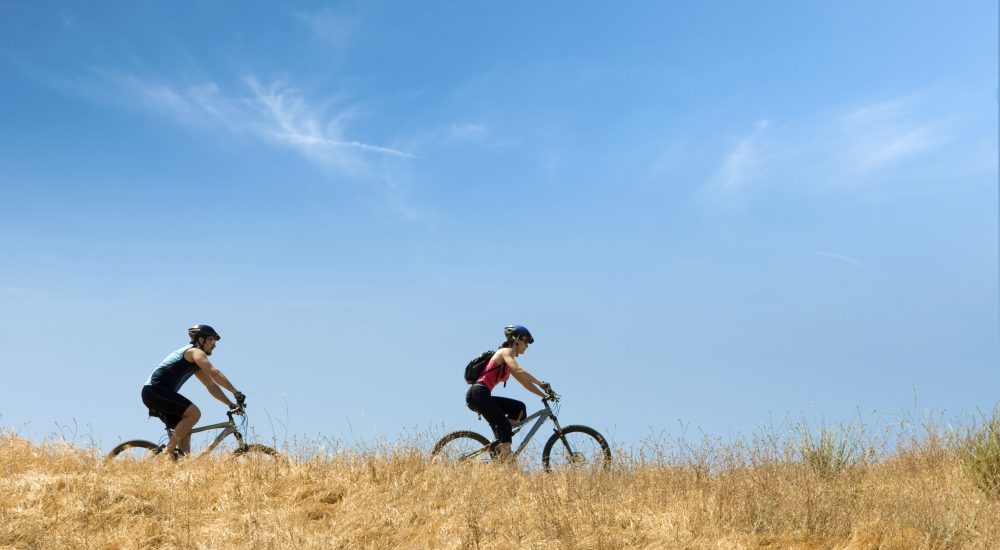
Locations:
816 492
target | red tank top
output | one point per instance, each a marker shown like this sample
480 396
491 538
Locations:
493 374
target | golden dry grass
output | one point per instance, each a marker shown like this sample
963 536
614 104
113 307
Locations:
55 496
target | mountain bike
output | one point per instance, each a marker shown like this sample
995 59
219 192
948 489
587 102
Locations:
140 448
574 445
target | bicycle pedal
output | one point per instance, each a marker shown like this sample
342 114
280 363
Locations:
176 455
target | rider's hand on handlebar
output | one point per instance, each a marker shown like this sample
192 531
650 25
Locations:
549 393
240 398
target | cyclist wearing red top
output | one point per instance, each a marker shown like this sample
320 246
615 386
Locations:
503 412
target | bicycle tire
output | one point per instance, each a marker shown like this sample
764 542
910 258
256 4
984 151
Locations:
153 448
459 447
592 450
253 448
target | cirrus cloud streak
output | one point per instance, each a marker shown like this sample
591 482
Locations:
275 113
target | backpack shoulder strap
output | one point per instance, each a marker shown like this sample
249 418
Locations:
500 366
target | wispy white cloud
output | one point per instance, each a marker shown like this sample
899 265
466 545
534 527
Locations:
920 137
293 120
274 113
839 257
885 133
744 163
456 134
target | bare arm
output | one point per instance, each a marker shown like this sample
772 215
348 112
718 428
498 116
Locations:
529 382
221 380
213 388
212 377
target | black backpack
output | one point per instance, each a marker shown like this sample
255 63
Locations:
475 367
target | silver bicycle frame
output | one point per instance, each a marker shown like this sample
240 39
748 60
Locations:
542 416
228 428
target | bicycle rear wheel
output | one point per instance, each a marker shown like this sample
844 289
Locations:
576 446
463 446
136 449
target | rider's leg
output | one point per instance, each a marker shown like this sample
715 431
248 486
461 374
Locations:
513 409
182 432
506 455
502 430
480 400
176 412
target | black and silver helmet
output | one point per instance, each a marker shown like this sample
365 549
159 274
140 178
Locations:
203 331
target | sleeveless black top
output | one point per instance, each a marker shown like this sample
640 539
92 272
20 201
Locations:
173 371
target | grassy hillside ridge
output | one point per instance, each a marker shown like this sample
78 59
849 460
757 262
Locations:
824 490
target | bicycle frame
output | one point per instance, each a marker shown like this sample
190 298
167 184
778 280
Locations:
575 444
228 428
542 416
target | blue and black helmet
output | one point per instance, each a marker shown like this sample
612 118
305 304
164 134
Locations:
514 331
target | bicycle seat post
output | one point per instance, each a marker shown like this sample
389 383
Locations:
163 417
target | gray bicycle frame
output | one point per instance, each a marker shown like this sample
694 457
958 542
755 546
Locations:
542 416
228 428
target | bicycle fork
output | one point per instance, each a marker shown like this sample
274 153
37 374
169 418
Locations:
562 437
239 440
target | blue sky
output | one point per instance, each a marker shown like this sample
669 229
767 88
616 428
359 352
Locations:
709 215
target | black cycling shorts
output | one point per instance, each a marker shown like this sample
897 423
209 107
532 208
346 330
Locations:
496 410
166 404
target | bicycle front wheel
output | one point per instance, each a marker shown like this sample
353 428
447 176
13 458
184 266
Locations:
576 446
258 453
463 446
136 449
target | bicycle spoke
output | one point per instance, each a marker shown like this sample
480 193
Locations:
135 453
463 447
577 446
577 450
461 450
257 454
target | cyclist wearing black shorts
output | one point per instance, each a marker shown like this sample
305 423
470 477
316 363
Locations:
503 412
160 392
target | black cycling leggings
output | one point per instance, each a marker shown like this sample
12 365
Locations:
496 410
